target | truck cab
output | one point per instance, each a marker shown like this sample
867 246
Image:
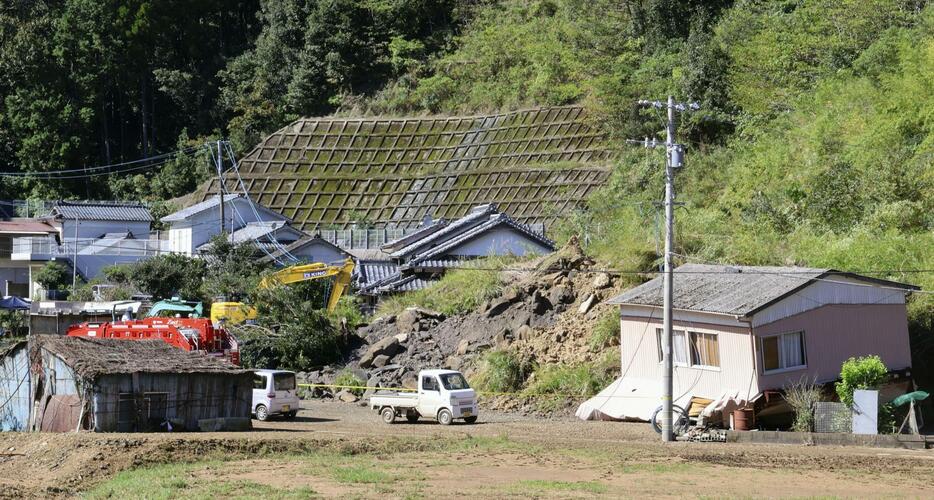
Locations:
442 394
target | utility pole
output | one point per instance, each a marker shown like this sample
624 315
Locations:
74 260
674 159
220 182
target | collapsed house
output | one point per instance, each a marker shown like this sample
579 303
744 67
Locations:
741 333
62 384
413 261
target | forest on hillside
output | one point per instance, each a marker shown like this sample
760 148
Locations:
814 142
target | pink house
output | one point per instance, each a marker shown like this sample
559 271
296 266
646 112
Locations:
739 331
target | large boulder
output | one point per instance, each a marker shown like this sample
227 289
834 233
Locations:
601 280
587 304
497 307
561 295
388 347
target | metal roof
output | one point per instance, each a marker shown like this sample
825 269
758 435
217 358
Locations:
276 253
102 211
733 290
197 208
26 227
535 163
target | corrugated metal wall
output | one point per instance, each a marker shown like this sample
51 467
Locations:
189 397
14 390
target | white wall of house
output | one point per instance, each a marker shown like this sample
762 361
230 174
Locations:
97 228
499 241
319 251
203 226
640 354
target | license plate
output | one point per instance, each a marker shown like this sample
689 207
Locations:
465 413
285 408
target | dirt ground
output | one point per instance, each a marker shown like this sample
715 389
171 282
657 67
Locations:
342 450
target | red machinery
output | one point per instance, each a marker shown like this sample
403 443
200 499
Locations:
190 334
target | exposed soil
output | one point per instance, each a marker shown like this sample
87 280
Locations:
526 458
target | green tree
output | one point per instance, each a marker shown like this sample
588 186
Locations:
170 275
54 276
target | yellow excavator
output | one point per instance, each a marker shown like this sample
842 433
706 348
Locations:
237 312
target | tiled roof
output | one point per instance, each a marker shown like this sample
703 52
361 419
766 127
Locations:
102 211
475 215
535 164
733 290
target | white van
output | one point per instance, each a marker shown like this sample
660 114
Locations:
274 394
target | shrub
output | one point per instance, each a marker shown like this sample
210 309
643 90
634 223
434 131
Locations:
801 396
582 380
346 377
458 292
54 276
867 372
503 371
606 332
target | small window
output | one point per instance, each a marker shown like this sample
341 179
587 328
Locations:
783 352
283 381
429 384
705 349
678 345
259 381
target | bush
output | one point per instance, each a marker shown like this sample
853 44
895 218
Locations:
606 332
458 292
582 380
867 372
801 396
54 276
346 377
502 371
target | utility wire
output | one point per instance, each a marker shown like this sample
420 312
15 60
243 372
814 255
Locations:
92 171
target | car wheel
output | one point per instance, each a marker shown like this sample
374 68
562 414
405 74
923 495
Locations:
388 415
411 416
445 417
262 413
291 414
470 420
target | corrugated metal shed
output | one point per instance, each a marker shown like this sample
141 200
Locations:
14 387
733 290
102 211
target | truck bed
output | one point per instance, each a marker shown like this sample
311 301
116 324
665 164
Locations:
394 399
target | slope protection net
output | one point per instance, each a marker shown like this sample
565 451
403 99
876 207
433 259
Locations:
329 172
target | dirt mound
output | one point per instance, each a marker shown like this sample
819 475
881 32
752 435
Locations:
546 314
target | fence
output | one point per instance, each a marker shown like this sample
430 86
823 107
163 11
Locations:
28 246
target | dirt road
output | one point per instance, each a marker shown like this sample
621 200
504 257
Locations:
336 449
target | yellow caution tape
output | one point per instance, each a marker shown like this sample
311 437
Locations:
403 389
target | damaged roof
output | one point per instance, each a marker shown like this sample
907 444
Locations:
733 290
90 357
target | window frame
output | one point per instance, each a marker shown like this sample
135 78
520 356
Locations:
804 352
688 350
700 366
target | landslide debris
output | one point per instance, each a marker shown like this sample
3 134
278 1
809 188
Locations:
546 314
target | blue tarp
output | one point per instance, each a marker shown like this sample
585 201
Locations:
13 303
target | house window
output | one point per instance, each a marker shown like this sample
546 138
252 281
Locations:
692 349
783 352
705 349
679 347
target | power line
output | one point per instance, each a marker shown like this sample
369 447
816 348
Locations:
92 171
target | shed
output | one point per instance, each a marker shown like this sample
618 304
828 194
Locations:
112 385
